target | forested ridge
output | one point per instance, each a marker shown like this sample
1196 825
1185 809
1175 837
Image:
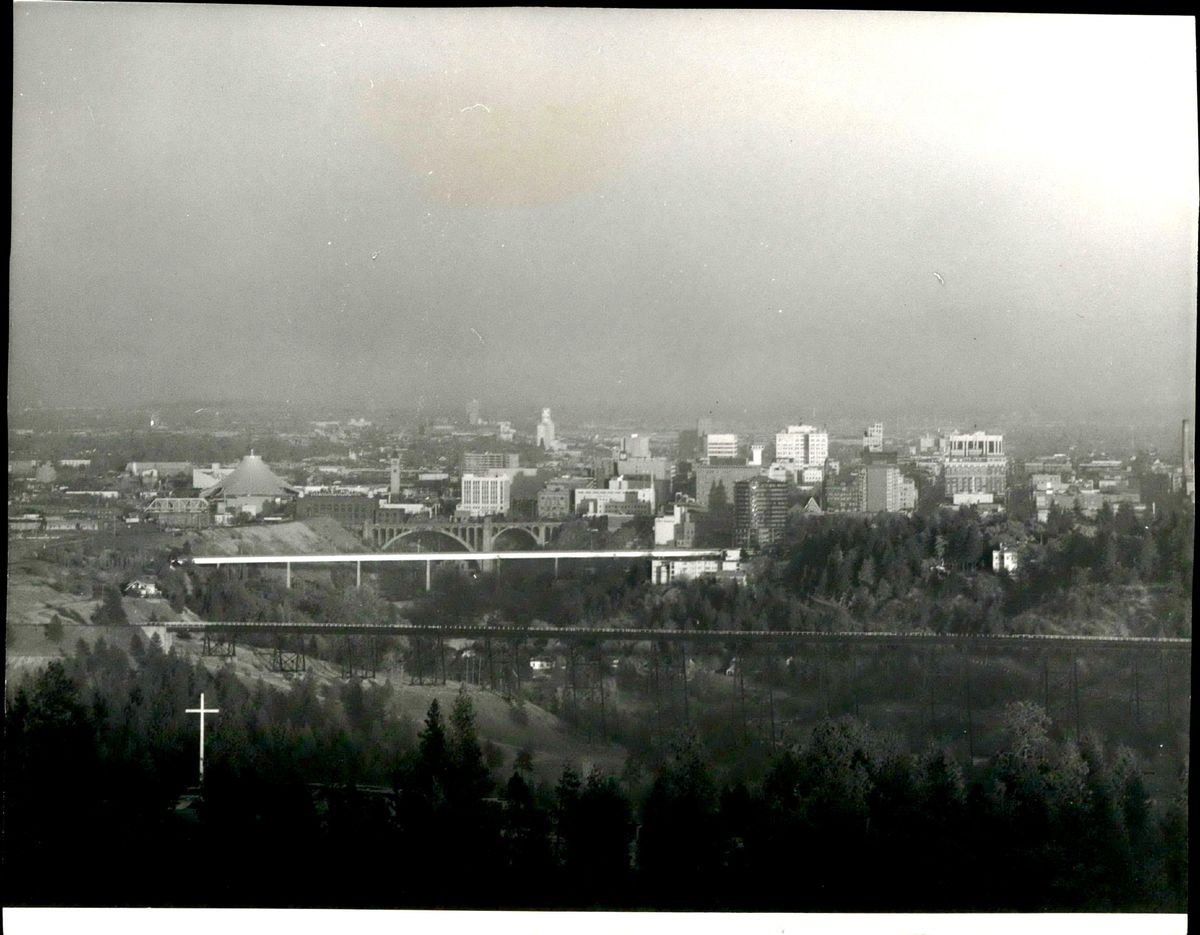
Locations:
318 794
1119 576
319 798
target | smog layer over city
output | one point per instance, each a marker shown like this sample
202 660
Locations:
600 459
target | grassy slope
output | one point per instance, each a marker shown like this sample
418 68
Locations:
318 535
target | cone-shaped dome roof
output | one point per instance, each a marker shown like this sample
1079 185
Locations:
251 478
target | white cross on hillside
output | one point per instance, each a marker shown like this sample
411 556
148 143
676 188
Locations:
202 711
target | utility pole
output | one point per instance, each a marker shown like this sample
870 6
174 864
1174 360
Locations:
826 690
600 675
970 718
854 686
1137 693
1075 691
1166 667
1046 682
655 689
687 720
771 704
931 678
741 677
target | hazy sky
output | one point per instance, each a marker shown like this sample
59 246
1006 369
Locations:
641 210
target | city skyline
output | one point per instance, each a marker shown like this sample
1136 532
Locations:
632 212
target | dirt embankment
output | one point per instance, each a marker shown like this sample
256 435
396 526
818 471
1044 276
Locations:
316 536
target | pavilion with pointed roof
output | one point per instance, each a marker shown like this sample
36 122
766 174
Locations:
251 485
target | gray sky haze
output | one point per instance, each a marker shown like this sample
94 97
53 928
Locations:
642 210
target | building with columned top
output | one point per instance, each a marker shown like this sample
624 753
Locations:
974 463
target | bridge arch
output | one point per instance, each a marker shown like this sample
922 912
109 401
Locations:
517 530
417 530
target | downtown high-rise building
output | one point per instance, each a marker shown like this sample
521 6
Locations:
887 490
974 463
760 507
485 496
545 431
635 446
720 446
803 445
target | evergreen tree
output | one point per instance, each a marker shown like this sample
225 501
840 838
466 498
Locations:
471 780
433 758
679 838
111 611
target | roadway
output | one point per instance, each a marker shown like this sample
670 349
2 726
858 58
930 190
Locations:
363 557
634 634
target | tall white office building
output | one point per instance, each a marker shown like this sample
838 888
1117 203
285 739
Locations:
803 445
873 437
635 446
545 431
720 445
485 496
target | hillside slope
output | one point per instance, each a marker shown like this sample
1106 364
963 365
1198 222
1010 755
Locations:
318 535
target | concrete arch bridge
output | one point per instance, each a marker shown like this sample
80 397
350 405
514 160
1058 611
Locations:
484 534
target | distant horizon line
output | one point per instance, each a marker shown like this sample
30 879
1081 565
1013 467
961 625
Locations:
574 416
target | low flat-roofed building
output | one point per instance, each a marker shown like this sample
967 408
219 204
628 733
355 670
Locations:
725 565
846 495
72 522
351 510
1004 559
621 499
26 525
386 508
1047 482
1089 501
480 462
156 469
1049 464
810 476
557 499
678 528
